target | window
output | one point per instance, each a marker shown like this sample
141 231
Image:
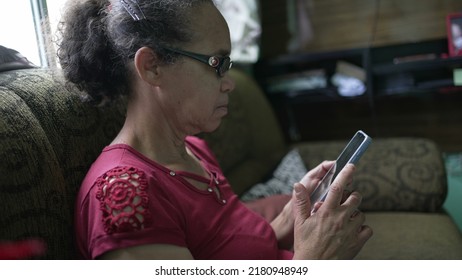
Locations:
24 21
22 28
18 29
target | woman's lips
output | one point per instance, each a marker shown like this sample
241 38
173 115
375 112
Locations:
223 109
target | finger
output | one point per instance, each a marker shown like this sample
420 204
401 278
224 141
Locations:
356 225
352 202
354 214
364 233
335 194
316 206
302 203
357 218
346 194
312 178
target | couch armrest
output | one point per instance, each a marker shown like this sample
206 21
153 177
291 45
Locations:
395 174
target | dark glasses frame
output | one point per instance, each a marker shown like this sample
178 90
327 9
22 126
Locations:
220 64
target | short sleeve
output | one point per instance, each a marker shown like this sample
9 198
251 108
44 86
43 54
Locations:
128 208
123 200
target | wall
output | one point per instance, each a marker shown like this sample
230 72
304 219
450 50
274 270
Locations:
340 24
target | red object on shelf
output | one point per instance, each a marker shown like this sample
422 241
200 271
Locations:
454 31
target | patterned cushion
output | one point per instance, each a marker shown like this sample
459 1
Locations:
396 174
289 171
401 174
48 140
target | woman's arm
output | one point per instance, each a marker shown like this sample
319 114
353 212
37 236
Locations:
283 226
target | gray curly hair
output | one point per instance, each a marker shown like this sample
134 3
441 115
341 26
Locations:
99 37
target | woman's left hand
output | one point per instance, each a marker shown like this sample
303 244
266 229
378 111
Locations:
283 224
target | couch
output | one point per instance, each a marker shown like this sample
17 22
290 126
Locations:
49 138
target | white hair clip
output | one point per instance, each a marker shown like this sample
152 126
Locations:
132 7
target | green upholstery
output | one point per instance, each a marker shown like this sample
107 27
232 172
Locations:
48 140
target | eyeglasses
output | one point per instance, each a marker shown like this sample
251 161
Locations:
220 64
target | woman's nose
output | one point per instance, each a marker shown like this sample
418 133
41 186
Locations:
227 84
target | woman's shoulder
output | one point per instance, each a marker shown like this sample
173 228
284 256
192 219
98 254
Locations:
118 163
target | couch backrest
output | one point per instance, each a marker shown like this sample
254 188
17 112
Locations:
48 139
249 143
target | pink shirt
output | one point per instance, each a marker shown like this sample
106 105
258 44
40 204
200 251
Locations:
127 200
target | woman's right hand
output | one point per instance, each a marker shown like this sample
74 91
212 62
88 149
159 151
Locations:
336 230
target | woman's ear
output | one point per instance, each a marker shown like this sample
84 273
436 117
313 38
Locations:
147 65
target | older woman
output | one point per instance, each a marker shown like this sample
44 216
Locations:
157 191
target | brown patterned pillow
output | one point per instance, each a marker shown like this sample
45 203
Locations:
395 174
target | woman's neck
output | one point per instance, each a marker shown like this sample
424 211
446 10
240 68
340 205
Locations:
155 137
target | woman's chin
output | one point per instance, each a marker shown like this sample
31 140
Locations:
212 127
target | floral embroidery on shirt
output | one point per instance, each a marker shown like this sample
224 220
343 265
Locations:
123 200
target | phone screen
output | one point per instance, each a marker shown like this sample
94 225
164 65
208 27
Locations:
350 154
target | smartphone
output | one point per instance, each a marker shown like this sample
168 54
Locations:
350 154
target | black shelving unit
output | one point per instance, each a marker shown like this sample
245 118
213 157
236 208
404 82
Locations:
396 76
424 67
296 63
